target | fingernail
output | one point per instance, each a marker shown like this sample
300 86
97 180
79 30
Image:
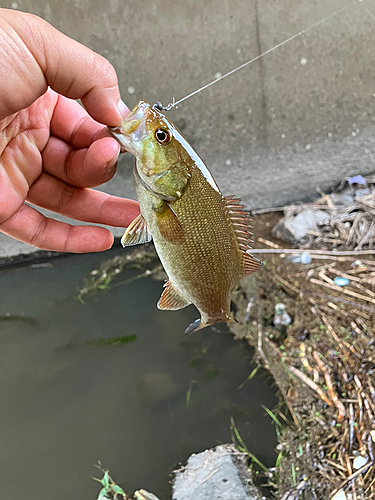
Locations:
111 165
122 107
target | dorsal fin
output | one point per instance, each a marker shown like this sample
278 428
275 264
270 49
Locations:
240 221
136 233
171 299
251 264
241 224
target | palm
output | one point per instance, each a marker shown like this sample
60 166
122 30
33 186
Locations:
24 136
51 152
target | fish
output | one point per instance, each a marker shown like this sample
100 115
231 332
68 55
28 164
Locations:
201 237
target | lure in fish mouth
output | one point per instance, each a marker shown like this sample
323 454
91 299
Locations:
202 238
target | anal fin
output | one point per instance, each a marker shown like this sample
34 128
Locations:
171 299
136 233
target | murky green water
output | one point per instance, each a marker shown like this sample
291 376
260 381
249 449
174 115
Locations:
140 408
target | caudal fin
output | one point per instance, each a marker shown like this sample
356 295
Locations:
198 324
194 326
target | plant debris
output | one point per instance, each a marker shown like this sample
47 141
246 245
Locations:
349 221
122 340
325 369
102 279
323 364
112 491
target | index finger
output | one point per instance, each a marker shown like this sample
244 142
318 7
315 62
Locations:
32 227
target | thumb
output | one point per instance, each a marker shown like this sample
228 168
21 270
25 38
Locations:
69 68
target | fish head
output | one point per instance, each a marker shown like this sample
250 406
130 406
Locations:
162 161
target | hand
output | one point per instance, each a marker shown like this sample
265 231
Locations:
51 149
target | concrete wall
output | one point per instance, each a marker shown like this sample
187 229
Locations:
300 117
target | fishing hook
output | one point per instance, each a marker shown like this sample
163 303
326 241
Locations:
158 105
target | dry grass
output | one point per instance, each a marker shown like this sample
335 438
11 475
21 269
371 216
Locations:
348 227
325 369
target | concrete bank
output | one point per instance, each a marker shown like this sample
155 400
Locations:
301 117
217 474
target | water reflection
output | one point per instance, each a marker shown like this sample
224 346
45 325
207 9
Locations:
140 406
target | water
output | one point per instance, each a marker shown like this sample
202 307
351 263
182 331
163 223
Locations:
140 408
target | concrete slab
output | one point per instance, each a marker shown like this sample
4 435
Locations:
301 117
217 474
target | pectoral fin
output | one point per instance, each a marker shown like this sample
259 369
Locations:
136 233
171 299
169 225
170 184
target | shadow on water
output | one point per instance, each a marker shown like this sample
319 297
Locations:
70 398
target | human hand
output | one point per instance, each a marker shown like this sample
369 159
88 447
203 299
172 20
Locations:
51 149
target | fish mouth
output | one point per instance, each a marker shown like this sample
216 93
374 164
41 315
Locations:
131 130
123 139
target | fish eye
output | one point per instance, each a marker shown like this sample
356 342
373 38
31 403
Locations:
162 135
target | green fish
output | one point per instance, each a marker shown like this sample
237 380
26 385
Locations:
202 238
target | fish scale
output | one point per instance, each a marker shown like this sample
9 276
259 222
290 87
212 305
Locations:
209 244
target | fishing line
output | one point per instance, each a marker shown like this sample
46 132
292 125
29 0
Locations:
284 42
368 10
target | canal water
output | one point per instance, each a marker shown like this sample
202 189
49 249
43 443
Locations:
70 397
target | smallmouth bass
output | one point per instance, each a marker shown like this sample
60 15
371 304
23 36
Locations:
202 238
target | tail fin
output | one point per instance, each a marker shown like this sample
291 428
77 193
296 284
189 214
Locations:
194 326
198 324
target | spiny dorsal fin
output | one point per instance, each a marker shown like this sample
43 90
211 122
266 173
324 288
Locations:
251 264
169 225
136 233
241 224
171 299
240 221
